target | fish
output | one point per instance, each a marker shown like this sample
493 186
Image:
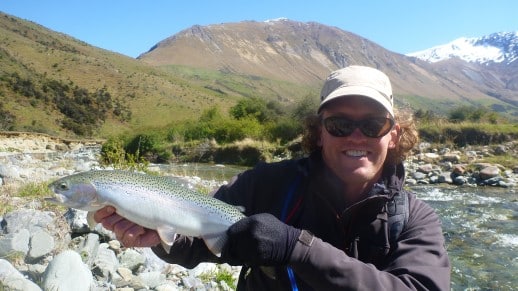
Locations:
156 202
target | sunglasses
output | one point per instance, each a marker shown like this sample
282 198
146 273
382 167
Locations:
374 127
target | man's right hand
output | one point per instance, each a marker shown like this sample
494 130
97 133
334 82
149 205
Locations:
127 232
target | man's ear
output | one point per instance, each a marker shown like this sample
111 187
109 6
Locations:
394 134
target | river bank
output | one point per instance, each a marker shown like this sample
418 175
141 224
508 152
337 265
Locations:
36 240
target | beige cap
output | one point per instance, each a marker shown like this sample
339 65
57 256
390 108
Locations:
358 81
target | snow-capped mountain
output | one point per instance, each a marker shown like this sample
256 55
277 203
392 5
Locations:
499 47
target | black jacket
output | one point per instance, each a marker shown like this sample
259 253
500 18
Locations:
352 247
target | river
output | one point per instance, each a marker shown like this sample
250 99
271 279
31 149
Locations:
481 229
480 225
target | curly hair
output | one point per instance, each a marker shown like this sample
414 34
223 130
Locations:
408 136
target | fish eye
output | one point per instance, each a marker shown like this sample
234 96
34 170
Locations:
63 186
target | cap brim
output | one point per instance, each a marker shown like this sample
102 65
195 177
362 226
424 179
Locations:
358 91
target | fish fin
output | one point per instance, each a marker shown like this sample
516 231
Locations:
215 242
167 236
90 220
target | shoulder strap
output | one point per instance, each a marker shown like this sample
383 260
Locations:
397 210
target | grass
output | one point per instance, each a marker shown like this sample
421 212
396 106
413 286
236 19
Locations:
219 276
508 160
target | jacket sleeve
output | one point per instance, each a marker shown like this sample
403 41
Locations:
419 262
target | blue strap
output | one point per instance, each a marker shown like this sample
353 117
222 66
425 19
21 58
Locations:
284 215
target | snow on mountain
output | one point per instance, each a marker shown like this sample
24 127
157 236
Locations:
497 47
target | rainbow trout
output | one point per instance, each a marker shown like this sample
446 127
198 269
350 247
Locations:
160 203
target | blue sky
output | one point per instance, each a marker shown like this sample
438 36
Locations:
132 27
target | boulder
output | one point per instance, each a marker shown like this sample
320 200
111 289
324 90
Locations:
67 272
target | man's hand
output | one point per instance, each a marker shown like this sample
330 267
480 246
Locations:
260 240
127 232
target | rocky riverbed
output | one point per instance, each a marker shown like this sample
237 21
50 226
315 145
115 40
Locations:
49 248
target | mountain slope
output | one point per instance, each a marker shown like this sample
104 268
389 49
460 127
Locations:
489 63
52 83
48 80
306 52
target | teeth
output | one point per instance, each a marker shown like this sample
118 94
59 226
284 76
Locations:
356 153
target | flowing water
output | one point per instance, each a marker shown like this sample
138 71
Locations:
481 229
480 225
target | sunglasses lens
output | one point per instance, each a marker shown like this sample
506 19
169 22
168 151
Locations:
338 126
376 127
372 127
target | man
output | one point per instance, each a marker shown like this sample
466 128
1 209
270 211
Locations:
337 219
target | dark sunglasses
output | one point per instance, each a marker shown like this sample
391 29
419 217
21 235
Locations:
375 127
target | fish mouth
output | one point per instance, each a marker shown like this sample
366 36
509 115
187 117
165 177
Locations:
56 199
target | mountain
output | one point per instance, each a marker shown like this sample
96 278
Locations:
494 48
53 83
488 64
306 52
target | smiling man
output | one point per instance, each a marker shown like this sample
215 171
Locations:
338 219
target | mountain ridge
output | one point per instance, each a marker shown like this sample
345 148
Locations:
500 47
308 51
216 65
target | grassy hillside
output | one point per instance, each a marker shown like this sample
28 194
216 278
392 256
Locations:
48 79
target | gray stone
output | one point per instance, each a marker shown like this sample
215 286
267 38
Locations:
41 244
106 261
445 178
500 150
88 247
460 180
426 168
411 182
152 279
77 221
454 158
67 272
15 243
29 219
419 176
489 172
131 259
12 280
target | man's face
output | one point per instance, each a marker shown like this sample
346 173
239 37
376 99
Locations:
356 159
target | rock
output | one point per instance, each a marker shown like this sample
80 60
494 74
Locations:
419 176
67 272
460 180
151 279
131 259
41 244
15 244
500 150
32 220
411 182
451 157
459 170
105 262
445 178
489 172
11 279
77 221
88 247
426 168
